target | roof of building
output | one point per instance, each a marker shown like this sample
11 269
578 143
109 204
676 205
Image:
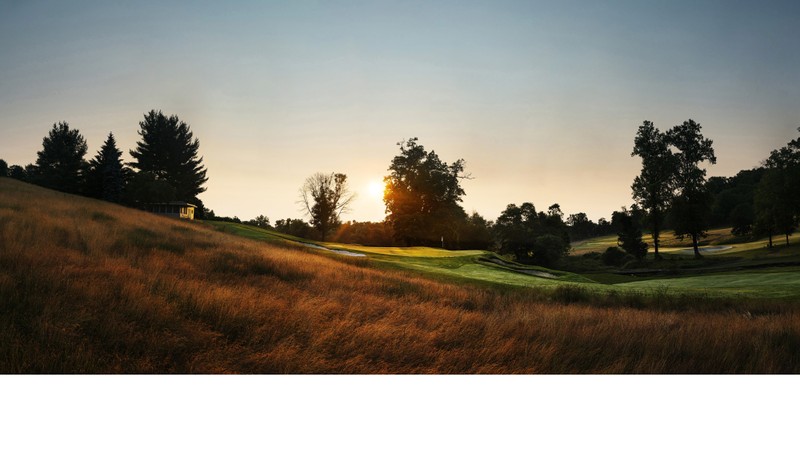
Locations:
176 202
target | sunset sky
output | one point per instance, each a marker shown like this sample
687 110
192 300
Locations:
541 99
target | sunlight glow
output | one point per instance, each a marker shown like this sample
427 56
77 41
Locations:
375 189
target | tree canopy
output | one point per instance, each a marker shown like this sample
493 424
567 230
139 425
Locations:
691 205
653 188
168 151
106 174
422 196
60 163
325 197
532 237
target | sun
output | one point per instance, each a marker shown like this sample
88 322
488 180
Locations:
375 189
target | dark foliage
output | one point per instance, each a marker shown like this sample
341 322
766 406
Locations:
653 188
520 231
691 205
422 197
296 227
60 163
365 233
629 234
168 151
107 175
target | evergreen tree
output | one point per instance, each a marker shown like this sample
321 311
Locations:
107 174
168 150
60 163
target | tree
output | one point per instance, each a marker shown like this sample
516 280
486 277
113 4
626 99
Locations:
326 197
777 197
691 205
107 174
775 212
530 236
629 234
422 196
168 150
261 221
653 188
17 172
3 168
60 163
294 227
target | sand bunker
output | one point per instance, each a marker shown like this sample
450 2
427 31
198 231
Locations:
705 249
338 252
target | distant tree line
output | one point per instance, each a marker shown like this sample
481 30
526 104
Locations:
673 191
423 194
165 166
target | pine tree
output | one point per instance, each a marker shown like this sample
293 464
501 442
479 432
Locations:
106 174
168 150
60 163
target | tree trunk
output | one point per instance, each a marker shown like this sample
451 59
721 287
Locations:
770 241
787 239
655 237
694 244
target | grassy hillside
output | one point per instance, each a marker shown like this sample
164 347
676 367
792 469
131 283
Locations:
90 287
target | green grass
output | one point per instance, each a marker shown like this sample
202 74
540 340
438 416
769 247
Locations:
744 270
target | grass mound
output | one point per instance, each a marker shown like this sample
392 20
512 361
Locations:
91 287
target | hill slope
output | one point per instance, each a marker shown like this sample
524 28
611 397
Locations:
91 287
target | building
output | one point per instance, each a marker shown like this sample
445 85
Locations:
172 209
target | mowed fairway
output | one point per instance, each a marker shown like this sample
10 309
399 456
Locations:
482 266
91 287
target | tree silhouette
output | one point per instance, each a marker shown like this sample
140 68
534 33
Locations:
422 196
168 150
326 197
653 188
107 174
532 237
60 163
3 168
775 214
629 235
691 205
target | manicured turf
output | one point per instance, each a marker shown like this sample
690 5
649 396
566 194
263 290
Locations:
736 266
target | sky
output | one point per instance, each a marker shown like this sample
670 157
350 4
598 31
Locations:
542 100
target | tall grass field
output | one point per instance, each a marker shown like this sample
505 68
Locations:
91 287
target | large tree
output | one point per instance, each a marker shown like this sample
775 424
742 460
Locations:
691 205
777 197
653 188
106 174
325 197
774 211
3 168
532 237
168 150
60 163
422 196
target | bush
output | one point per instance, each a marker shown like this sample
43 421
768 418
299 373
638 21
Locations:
613 256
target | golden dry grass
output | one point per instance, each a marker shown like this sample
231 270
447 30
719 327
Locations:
90 287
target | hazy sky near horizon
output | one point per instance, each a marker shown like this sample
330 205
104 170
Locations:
541 99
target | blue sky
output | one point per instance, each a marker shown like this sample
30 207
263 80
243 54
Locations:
542 99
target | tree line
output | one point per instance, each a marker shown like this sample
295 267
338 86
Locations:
423 194
165 167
